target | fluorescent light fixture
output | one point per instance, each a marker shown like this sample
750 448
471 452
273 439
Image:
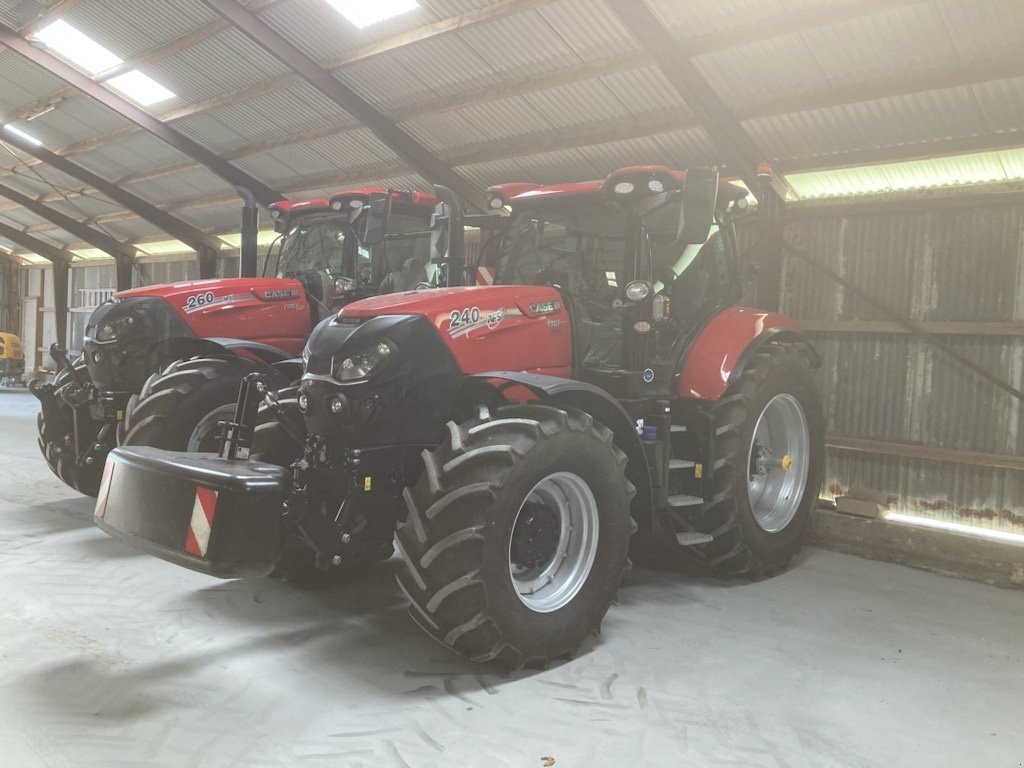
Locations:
263 237
969 530
27 137
140 88
363 13
77 47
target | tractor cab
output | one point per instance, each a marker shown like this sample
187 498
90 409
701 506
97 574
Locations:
356 244
642 259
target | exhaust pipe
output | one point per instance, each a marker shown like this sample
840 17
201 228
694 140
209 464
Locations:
247 261
447 237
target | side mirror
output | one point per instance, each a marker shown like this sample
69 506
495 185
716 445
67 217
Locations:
700 195
374 219
447 235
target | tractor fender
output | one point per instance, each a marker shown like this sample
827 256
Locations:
722 347
185 347
553 390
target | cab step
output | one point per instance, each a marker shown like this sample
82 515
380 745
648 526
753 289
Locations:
681 464
684 500
692 538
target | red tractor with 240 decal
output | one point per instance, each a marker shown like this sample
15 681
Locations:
513 437
161 365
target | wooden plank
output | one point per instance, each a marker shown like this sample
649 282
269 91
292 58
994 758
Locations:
939 328
924 452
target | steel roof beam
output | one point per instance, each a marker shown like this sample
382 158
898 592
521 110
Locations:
205 246
426 163
124 255
234 176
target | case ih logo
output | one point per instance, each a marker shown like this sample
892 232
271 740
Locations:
279 295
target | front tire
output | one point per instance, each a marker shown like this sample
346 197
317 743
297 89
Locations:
517 534
58 450
767 467
179 409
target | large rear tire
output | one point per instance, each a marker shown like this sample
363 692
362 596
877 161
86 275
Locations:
767 467
517 534
57 449
179 409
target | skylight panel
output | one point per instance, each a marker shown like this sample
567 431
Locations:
27 137
77 47
363 13
140 88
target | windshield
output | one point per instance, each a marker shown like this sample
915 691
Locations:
315 244
325 243
579 247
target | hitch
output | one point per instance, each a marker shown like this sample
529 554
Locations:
236 435
60 357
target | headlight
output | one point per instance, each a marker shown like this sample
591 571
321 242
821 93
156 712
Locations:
359 366
109 330
638 290
344 285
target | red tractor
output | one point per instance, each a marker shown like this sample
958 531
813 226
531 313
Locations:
161 365
511 438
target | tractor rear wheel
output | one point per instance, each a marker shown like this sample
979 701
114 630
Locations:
58 450
767 467
179 409
517 534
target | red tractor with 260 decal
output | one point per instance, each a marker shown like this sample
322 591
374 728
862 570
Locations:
513 437
161 365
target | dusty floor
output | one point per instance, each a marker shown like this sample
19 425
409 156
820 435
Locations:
112 658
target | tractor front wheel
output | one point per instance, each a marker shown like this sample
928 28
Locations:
517 534
179 409
58 449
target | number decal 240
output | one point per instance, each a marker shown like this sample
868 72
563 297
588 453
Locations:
199 300
465 317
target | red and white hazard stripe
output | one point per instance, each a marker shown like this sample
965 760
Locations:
485 275
101 497
198 539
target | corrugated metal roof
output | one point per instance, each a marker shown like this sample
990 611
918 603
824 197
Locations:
23 83
149 23
227 62
909 39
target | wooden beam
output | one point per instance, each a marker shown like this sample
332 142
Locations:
924 452
34 244
1012 330
425 162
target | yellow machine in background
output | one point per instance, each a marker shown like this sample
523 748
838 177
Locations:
12 359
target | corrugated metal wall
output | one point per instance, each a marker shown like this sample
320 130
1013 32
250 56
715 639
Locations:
960 265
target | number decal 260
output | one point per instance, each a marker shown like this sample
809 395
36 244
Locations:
199 300
465 317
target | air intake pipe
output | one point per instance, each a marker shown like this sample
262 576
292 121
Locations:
250 226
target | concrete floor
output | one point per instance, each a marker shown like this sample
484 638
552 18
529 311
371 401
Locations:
112 658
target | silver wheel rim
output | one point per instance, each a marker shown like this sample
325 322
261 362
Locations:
778 463
548 573
206 428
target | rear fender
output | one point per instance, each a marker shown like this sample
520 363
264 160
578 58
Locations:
719 353
553 390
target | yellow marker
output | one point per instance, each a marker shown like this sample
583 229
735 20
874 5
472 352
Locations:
120 415
367 483
786 463
698 471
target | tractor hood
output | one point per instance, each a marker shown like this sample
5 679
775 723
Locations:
487 328
235 307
